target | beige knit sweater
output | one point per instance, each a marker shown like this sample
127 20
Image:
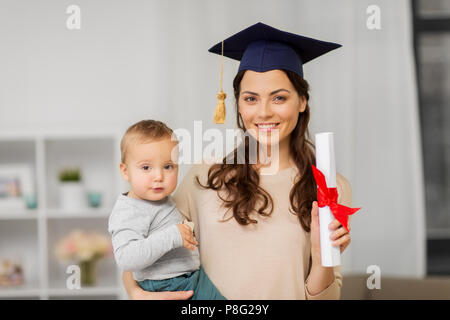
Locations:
269 260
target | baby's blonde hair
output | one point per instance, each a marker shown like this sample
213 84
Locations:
142 132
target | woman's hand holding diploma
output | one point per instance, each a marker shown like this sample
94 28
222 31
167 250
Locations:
321 277
340 236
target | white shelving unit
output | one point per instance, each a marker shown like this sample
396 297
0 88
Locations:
31 234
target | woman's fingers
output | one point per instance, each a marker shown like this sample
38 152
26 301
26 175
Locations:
338 233
180 295
315 215
176 295
163 295
315 209
342 240
334 224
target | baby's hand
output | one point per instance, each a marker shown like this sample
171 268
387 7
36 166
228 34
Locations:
188 236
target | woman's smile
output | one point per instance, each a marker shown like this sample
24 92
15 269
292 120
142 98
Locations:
268 126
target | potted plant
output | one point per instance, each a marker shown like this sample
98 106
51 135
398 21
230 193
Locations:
72 194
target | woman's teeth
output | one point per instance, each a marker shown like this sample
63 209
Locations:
267 126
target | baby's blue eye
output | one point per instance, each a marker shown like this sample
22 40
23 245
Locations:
169 166
145 167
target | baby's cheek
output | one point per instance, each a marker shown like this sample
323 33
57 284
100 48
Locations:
172 183
143 185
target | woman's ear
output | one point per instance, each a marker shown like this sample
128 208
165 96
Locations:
124 171
302 104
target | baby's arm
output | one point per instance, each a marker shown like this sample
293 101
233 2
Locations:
132 251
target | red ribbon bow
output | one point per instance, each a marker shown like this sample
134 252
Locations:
328 197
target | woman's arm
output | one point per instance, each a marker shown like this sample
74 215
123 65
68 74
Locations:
326 282
319 279
321 282
135 292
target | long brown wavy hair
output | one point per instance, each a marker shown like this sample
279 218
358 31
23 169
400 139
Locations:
241 181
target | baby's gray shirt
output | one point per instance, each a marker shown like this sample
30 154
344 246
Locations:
147 241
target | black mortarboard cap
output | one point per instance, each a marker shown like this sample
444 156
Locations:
262 48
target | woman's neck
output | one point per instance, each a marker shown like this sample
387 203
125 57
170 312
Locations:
282 156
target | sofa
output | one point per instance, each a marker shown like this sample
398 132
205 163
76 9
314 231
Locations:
354 287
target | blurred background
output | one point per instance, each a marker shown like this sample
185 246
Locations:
75 74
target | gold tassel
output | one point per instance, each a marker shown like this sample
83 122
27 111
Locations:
219 115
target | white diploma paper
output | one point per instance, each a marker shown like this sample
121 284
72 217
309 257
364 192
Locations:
325 162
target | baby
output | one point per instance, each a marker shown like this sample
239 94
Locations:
148 234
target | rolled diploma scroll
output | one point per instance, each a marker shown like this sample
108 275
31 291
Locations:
325 162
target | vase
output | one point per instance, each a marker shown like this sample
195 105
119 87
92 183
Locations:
95 199
88 275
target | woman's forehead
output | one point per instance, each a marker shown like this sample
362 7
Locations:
265 81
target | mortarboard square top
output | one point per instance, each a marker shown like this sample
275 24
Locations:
262 48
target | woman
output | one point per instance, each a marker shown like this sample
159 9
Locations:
259 234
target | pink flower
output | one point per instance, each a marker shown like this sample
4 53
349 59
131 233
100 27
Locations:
71 247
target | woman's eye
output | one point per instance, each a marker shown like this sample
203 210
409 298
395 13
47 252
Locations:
280 98
250 99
